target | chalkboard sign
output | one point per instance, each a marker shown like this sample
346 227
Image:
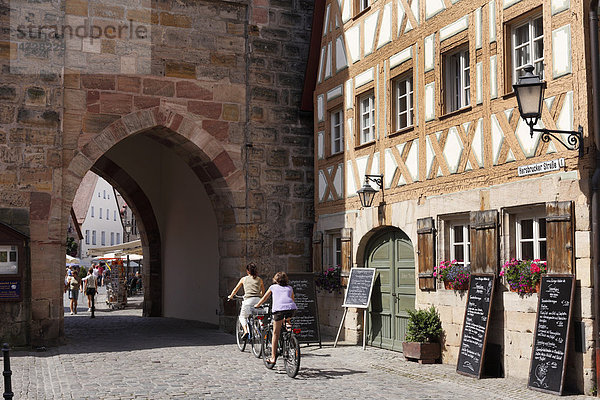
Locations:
475 325
360 285
549 353
307 316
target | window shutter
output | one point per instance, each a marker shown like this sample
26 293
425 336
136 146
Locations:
484 242
559 237
426 246
346 238
317 251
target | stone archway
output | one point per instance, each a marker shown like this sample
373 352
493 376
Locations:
149 230
217 169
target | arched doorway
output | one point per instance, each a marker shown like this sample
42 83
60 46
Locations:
391 254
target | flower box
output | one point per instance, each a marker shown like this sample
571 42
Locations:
424 353
454 275
451 285
523 276
526 290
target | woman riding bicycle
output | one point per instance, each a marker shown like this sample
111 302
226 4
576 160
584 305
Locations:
253 289
283 307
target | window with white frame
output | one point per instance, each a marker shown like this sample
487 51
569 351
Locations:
92 211
336 250
528 47
107 214
531 238
114 215
403 103
118 238
103 238
367 118
100 213
93 237
362 5
87 236
460 243
458 80
104 193
337 131
112 238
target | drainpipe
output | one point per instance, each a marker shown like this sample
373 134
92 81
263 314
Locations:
594 55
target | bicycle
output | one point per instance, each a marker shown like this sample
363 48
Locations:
255 327
287 346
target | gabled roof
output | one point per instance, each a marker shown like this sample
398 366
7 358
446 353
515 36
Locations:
83 197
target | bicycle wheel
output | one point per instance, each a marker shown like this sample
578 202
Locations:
266 337
255 341
239 334
292 355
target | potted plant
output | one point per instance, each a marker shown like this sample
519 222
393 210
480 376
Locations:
330 280
454 275
523 276
422 336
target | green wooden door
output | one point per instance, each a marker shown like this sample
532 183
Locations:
392 256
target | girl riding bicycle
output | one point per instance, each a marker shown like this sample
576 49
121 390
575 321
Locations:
253 289
283 307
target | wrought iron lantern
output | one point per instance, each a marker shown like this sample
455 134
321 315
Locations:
366 194
530 97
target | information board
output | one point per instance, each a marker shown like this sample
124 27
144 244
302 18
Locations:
360 285
549 353
307 316
475 325
10 290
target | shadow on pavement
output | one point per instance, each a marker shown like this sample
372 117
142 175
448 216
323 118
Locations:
320 374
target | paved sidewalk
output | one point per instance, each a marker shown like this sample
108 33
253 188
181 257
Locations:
120 355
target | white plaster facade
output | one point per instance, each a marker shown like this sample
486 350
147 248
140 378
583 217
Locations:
102 225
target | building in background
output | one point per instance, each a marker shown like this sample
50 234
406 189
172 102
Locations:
420 92
98 214
130 225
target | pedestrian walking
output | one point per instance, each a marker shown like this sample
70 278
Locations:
73 285
90 285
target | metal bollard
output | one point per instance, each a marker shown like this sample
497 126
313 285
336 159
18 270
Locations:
8 394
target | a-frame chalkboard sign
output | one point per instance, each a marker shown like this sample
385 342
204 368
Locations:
358 295
475 325
307 315
552 326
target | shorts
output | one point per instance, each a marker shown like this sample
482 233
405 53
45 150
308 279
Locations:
73 293
91 291
279 315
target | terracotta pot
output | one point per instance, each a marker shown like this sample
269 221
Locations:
448 285
424 353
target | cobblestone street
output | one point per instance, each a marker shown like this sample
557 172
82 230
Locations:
120 355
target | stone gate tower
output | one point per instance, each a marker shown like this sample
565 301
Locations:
191 109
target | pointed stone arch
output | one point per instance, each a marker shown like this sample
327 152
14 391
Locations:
216 164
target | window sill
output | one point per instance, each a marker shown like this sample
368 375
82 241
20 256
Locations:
334 156
364 145
403 130
456 112
360 14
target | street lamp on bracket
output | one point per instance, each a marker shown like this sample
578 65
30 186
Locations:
530 98
366 194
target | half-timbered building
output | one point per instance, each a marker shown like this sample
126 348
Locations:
420 91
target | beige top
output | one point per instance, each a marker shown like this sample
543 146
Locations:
251 287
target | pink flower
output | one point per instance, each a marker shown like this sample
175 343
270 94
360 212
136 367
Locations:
535 269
